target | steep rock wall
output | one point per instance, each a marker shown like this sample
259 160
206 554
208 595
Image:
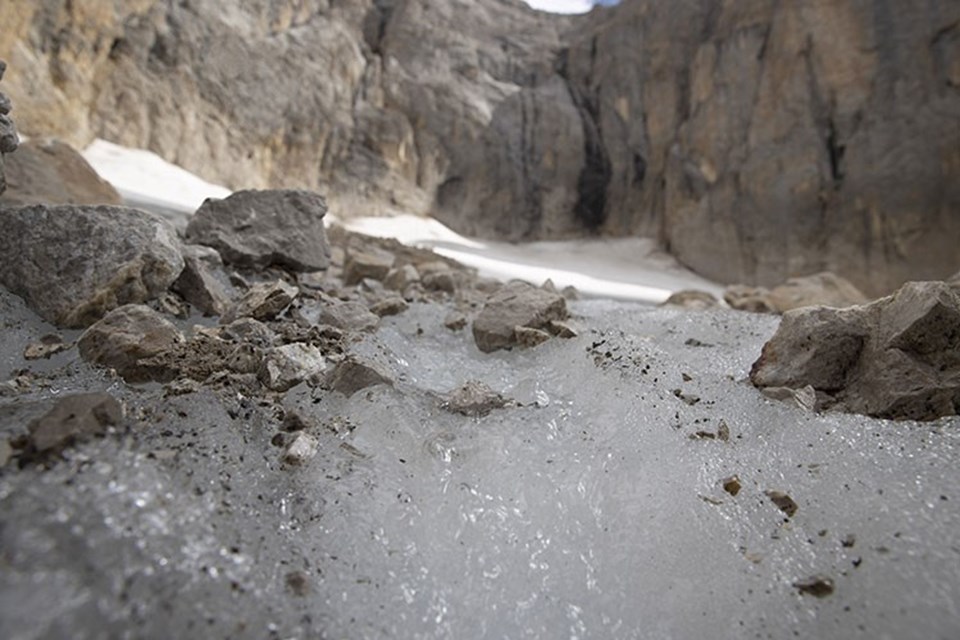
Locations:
755 139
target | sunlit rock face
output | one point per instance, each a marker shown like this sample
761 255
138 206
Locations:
757 141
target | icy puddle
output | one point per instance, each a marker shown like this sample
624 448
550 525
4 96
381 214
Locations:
596 508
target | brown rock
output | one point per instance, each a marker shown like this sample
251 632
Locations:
474 399
127 336
263 301
692 299
48 171
528 338
821 289
819 586
47 346
784 502
353 374
516 304
73 419
371 264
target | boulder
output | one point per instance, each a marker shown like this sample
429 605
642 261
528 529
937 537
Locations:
896 358
49 171
286 366
257 229
126 337
72 264
516 304
203 282
73 419
263 301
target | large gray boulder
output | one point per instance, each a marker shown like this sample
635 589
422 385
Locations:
897 358
516 305
257 229
73 264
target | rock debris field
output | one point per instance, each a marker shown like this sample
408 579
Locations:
233 433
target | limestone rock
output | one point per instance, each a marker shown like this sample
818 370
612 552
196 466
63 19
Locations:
897 358
73 419
353 374
203 282
263 301
72 264
49 171
516 304
257 229
288 365
126 337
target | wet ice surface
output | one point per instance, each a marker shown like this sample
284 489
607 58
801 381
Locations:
587 512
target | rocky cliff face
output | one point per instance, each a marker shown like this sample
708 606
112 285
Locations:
757 140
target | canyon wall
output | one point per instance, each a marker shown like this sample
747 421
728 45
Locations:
755 139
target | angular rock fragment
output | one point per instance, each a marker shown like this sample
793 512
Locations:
250 331
263 301
349 316
746 298
257 229
516 304
784 502
73 264
818 586
390 306
360 265
203 282
73 419
47 346
301 450
528 338
825 289
48 171
455 321
400 278
896 358
289 365
731 485
125 338
445 281
804 398
353 374
474 399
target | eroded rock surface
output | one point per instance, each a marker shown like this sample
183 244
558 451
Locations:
898 357
73 264
257 229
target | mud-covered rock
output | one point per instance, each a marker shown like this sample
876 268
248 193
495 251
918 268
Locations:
257 229
263 301
897 358
73 419
516 304
125 338
73 264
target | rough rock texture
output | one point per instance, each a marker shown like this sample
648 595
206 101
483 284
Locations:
48 171
8 133
757 140
353 374
262 301
289 365
72 264
125 337
898 357
820 289
257 229
73 419
203 282
516 304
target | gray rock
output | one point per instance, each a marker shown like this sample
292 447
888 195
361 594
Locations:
362 264
250 331
399 278
527 337
203 282
897 358
73 264
287 366
74 419
455 321
389 306
516 304
127 336
692 299
301 450
263 301
257 229
350 316
353 374
474 399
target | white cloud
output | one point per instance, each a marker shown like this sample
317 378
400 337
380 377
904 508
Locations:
562 6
